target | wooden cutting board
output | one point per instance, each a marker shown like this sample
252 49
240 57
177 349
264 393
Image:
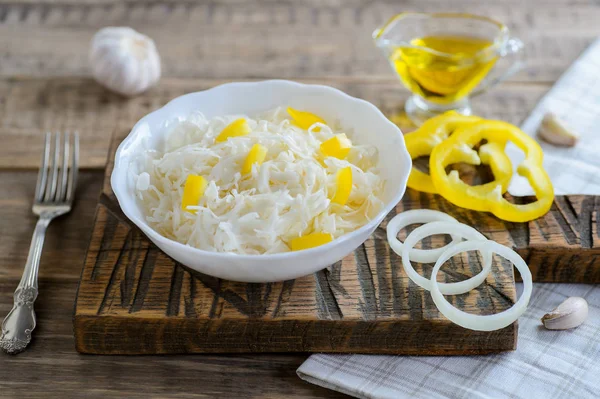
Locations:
133 299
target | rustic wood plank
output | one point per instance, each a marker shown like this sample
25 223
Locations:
29 107
133 299
305 38
556 31
67 237
130 288
34 372
330 313
128 285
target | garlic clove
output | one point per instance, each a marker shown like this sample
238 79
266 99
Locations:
554 131
569 314
124 60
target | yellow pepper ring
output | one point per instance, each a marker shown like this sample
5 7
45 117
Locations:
497 133
437 129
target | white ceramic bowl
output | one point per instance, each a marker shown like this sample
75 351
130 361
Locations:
368 124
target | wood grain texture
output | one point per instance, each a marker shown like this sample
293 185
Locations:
133 299
43 51
52 368
45 85
67 237
130 289
29 107
267 39
364 303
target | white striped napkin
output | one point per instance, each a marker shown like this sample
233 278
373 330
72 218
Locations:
547 364
575 98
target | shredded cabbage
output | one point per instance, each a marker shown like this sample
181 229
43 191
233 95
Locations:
287 196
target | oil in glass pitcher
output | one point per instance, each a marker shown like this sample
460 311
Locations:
443 58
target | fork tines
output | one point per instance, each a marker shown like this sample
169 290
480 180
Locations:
57 177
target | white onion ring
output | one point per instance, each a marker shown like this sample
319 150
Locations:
479 322
459 229
417 216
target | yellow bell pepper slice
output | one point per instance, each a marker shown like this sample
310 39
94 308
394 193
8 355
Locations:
497 133
192 191
343 186
238 127
256 155
423 140
310 241
304 120
337 146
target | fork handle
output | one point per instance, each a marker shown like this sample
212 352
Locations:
20 321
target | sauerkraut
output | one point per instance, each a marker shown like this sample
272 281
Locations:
287 196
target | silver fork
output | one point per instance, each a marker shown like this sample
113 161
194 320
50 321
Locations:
54 194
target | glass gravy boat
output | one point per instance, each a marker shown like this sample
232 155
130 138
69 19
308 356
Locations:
444 59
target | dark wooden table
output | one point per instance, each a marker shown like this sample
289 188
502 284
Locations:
45 84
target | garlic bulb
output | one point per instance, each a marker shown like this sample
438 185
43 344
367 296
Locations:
569 314
124 60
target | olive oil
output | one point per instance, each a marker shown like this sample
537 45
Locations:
448 73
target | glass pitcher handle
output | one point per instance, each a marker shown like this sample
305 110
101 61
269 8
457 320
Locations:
513 47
